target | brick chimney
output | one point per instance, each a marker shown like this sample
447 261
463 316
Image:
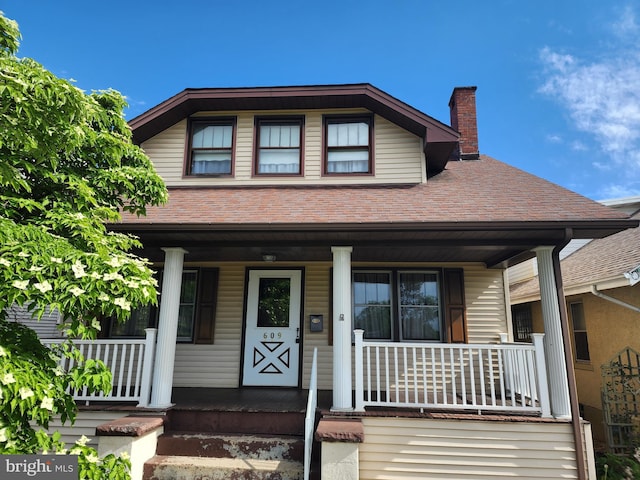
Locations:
463 119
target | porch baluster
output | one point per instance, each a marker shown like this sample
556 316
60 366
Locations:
454 381
463 377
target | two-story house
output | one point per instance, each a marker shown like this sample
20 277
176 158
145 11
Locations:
341 220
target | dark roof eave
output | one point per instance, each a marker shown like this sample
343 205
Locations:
579 229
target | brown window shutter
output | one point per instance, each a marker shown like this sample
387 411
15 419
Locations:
455 312
206 306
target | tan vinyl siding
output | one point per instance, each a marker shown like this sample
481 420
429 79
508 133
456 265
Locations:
523 271
166 151
243 154
217 365
486 308
398 153
398 449
317 284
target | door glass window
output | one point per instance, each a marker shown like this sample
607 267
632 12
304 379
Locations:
273 302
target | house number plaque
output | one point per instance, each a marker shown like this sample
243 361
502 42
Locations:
272 335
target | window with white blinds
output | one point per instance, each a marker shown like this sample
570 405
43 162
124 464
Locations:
279 146
211 147
347 145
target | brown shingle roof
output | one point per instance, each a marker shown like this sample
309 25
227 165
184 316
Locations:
467 192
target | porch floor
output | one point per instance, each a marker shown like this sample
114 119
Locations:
292 400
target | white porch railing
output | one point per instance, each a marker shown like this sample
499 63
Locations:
130 363
510 377
310 417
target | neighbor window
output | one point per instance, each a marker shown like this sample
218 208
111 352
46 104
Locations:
348 145
579 332
195 314
279 146
397 304
522 322
211 147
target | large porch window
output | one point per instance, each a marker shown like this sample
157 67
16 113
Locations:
404 305
195 315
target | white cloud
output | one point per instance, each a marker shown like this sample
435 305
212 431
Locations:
619 191
578 146
626 27
602 96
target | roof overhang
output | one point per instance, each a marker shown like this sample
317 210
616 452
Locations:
439 139
495 244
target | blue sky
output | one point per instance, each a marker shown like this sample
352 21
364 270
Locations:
558 81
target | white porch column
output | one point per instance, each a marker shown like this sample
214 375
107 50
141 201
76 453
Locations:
553 341
342 400
167 327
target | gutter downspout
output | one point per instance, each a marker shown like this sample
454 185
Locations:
598 293
568 353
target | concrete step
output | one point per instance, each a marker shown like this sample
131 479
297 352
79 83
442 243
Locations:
272 447
169 467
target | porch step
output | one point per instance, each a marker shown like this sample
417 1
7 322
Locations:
214 444
231 446
206 468
248 422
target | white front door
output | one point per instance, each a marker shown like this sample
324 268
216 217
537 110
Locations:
272 332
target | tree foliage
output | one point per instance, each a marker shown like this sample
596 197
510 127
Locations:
68 168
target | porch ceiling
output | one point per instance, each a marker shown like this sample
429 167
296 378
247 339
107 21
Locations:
493 248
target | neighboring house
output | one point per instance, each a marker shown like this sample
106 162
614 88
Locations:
603 303
298 214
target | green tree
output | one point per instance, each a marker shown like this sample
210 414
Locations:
68 167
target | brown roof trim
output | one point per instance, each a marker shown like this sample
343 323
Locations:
440 138
580 229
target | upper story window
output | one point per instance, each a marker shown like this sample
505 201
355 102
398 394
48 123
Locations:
279 146
211 147
348 144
